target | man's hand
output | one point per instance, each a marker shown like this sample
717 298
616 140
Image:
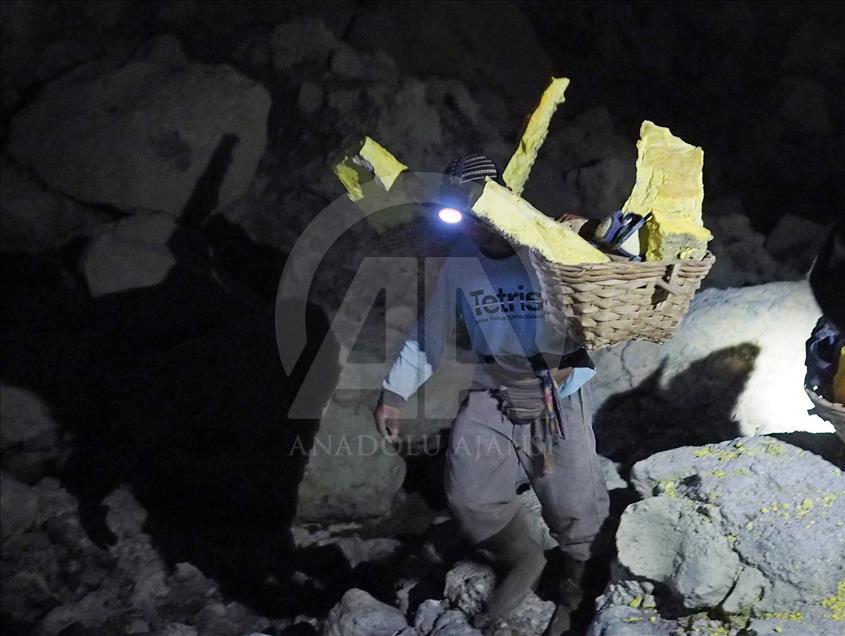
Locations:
569 216
387 421
575 222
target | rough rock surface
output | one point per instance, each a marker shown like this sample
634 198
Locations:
587 167
359 614
29 437
54 577
141 134
131 253
679 549
429 85
741 255
795 242
500 51
33 219
351 472
19 506
469 584
753 526
734 367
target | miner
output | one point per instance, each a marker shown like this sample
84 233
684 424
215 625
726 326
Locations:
526 419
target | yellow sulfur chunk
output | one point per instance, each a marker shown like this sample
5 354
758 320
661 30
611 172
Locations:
669 185
384 165
519 167
522 223
353 176
669 236
371 162
839 380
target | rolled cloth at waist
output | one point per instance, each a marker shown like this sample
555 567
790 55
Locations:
528 399
524 399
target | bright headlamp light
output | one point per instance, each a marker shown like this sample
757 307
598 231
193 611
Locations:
450 215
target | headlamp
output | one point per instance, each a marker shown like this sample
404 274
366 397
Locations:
450 215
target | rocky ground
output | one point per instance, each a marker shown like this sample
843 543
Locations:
148 483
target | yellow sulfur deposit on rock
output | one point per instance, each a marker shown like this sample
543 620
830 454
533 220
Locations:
371 162
521 222
669 186
839 380
519 167
836 603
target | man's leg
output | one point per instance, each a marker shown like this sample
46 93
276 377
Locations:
481 468
481 475
574 499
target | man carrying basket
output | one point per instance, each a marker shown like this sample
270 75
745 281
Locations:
526 420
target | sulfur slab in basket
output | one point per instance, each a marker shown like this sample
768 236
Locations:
519 167
523 224
670 187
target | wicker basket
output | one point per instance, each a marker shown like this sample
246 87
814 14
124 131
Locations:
602 304
829 411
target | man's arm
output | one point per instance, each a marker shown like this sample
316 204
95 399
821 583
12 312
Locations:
420 355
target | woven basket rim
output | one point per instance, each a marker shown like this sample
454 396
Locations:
709 257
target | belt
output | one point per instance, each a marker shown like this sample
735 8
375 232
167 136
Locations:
526 400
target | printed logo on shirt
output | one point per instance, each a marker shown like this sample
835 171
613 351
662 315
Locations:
506 302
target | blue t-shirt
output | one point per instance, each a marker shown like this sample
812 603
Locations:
500 302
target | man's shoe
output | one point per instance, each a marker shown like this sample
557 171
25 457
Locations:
570 593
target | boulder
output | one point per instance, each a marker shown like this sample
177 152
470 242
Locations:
30 439
131 253
302 41
19 504
141 134
221 619
427 615
781 506
357 550
674 542
92 611
453 623
24 418
585 167
33 219
352 473
735 366
176 629
359 614
345 92
469 584
796 241
496 47
750 530
742 257
628 608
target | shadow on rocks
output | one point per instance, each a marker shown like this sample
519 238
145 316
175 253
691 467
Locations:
826 445
693 409
176 390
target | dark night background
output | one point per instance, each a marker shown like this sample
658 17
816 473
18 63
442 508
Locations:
160 160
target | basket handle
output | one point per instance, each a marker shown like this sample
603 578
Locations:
669 285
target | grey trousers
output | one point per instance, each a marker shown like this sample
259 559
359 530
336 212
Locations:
489 457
